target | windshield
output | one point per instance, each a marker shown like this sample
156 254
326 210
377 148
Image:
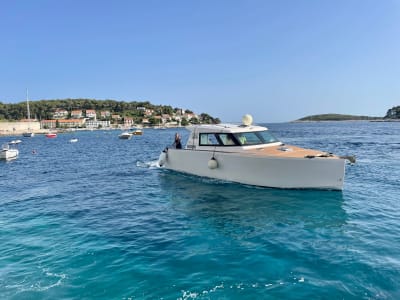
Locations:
255 138
237 139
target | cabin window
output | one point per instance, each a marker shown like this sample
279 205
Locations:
208 139
248 138
227 139
255 138
267 137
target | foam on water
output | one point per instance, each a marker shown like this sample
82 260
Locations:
150 164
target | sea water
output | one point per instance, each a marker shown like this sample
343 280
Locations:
97 219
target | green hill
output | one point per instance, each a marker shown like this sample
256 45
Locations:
393 113
336 117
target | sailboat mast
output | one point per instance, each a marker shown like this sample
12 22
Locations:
27 105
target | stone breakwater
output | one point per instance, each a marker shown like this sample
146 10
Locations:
17 128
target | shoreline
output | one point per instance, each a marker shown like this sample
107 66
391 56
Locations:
71 131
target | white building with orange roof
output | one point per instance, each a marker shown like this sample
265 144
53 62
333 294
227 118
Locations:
77 114
60 113
91 113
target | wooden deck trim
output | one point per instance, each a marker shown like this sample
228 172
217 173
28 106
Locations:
292 151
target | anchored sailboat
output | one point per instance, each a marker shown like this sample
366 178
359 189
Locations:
28 133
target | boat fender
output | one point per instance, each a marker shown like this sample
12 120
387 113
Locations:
163 157
212 163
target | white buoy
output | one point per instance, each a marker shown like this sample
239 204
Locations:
247 120
212 163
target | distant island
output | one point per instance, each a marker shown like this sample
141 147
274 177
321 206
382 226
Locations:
336 117
392 114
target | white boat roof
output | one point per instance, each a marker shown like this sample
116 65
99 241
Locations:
225 127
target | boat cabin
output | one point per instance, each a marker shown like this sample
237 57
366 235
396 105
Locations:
229 137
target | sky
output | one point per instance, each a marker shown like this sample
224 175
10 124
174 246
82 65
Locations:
278 60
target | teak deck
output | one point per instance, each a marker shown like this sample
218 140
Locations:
290 151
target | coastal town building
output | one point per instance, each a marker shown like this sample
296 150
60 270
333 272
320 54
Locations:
148 112
69 123
128 122
105 114
165 118
158 120
91 113
145 122
77 114
60 114
189 116
97 124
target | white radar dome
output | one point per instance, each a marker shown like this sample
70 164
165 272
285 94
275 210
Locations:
247 120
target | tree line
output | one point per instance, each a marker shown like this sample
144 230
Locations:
44 109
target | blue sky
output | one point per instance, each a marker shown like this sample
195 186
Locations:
277 60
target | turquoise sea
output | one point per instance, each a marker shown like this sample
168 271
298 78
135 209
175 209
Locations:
97 219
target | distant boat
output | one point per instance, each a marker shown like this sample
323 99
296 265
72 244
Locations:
125 136
51 135
8 153
15 142
137 132
73 140
28 133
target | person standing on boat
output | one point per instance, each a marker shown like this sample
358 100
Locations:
177 143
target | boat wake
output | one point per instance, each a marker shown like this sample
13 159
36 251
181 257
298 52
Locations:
149 165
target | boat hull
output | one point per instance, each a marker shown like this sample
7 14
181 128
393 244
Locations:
276 172
125 136
9 154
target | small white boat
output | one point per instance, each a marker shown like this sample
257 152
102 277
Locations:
125 136
8 153
15 142
250 154
28 134
73 140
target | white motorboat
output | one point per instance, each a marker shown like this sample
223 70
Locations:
28 134
250 154
8 153
73 140
125 136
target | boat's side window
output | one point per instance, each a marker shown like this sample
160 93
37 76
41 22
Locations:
241 138
227 139
267 137
208 139
248 138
